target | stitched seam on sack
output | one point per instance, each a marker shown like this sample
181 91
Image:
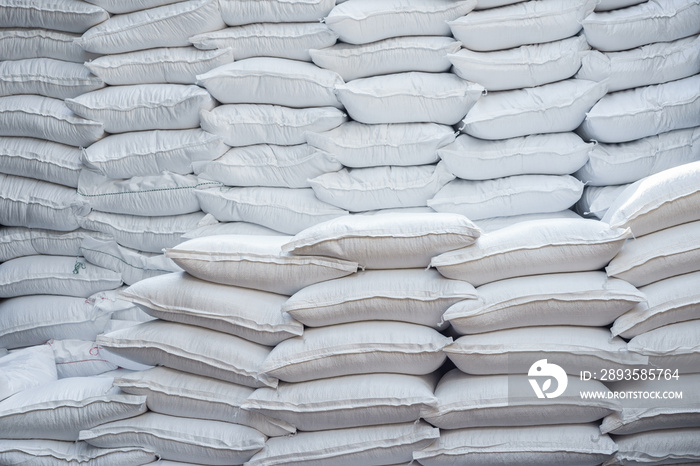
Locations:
216 183
156 152
36 158
373 15
644 111
344 404
249 202
160 61
362 54
642 16
53 80
519 17
272 75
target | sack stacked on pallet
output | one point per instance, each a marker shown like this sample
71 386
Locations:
401 98
518 148
662 260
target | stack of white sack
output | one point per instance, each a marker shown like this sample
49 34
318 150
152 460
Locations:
542 309
648 53
360 375
518 150
395 85
663 260
271 96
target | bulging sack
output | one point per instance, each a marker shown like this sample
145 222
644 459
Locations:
46 118
614 164
277 81
281 209
525 66
364 189
392 241
143 153
255 262
412 295
250 314
163 26
364 21
645 111
144 106
513 195
62 15
40 159
349 401
641 24
281 40
662 200
411 97
248 124
534 247
357 348
550 108
531 22
674 347
174 65
579 298
26 368
182 394
395 55
26 202
471 158
191 349
34 451
357 145
47 77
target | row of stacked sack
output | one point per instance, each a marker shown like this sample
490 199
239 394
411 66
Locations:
282 125
260 337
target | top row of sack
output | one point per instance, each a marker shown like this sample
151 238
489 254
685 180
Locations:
480 25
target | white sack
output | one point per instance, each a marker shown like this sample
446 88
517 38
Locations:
651 64
395 55
163 26
395 241
247 124
669 301
56 275
144 106
152 152
550 108
40 159
412 97
357 348
182 394
191 349
47 77
255 262
148 234
250 314
582 298
277 81
628 162
46 118
679 446
78 358
282 209
349 401
642 24
282 40
174 438
544 154
596 200
414 295
61 15
525 66
21 43
364 21
534 247
673 347
60 410
532 22
237 12
177 65
513 195
56 453
662 200
26 368
33 320
357 145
